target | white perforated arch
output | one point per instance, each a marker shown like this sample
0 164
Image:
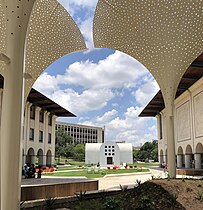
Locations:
165 36
51 34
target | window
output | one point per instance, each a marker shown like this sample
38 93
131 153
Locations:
112 150
31 135
32 112
109 153
41 116
109 146
49 138
105 153
112 146
105 146
41 136
50 119
113 154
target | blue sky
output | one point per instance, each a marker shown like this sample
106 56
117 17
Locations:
103 87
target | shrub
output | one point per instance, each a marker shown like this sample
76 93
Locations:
112 204
145 203
199 195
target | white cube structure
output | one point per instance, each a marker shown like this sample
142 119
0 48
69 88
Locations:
108 153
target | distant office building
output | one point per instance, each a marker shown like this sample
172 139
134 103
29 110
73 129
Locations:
136 148
109 153
120 142
82 133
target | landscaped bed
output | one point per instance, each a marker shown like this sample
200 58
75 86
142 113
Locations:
96 173
164 194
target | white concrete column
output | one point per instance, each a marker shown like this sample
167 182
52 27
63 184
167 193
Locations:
180 161
170 146
36 128
12 105
45 136
27 130
198 163
53 138
187 161
158 126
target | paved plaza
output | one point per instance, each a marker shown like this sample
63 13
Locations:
108 182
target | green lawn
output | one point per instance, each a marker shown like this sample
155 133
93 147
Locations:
95 174
145 164
69 168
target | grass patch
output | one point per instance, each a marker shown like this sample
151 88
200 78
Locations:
69 168
92 174
145 164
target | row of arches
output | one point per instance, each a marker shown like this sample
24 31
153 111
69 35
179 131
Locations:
38 158
186 158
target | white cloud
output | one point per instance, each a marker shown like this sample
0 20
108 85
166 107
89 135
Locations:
130 128
88 100
85 21
107 116
146 91
118 70
46 84
80 3
86 30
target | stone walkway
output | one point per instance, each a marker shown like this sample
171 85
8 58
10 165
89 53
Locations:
110 182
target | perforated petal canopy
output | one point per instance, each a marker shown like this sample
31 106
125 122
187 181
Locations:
51 34
165 36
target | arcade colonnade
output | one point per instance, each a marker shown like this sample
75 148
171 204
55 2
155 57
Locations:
165 36
188 127
186 158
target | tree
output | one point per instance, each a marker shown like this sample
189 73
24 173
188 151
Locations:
79 152
148 151
62 141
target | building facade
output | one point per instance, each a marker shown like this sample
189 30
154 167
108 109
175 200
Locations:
188 126
188 119
82 134
38 136
108 153
38 141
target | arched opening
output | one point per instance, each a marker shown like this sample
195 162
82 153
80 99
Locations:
180 157
189 157
48 158
199 156
40 156
30 157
